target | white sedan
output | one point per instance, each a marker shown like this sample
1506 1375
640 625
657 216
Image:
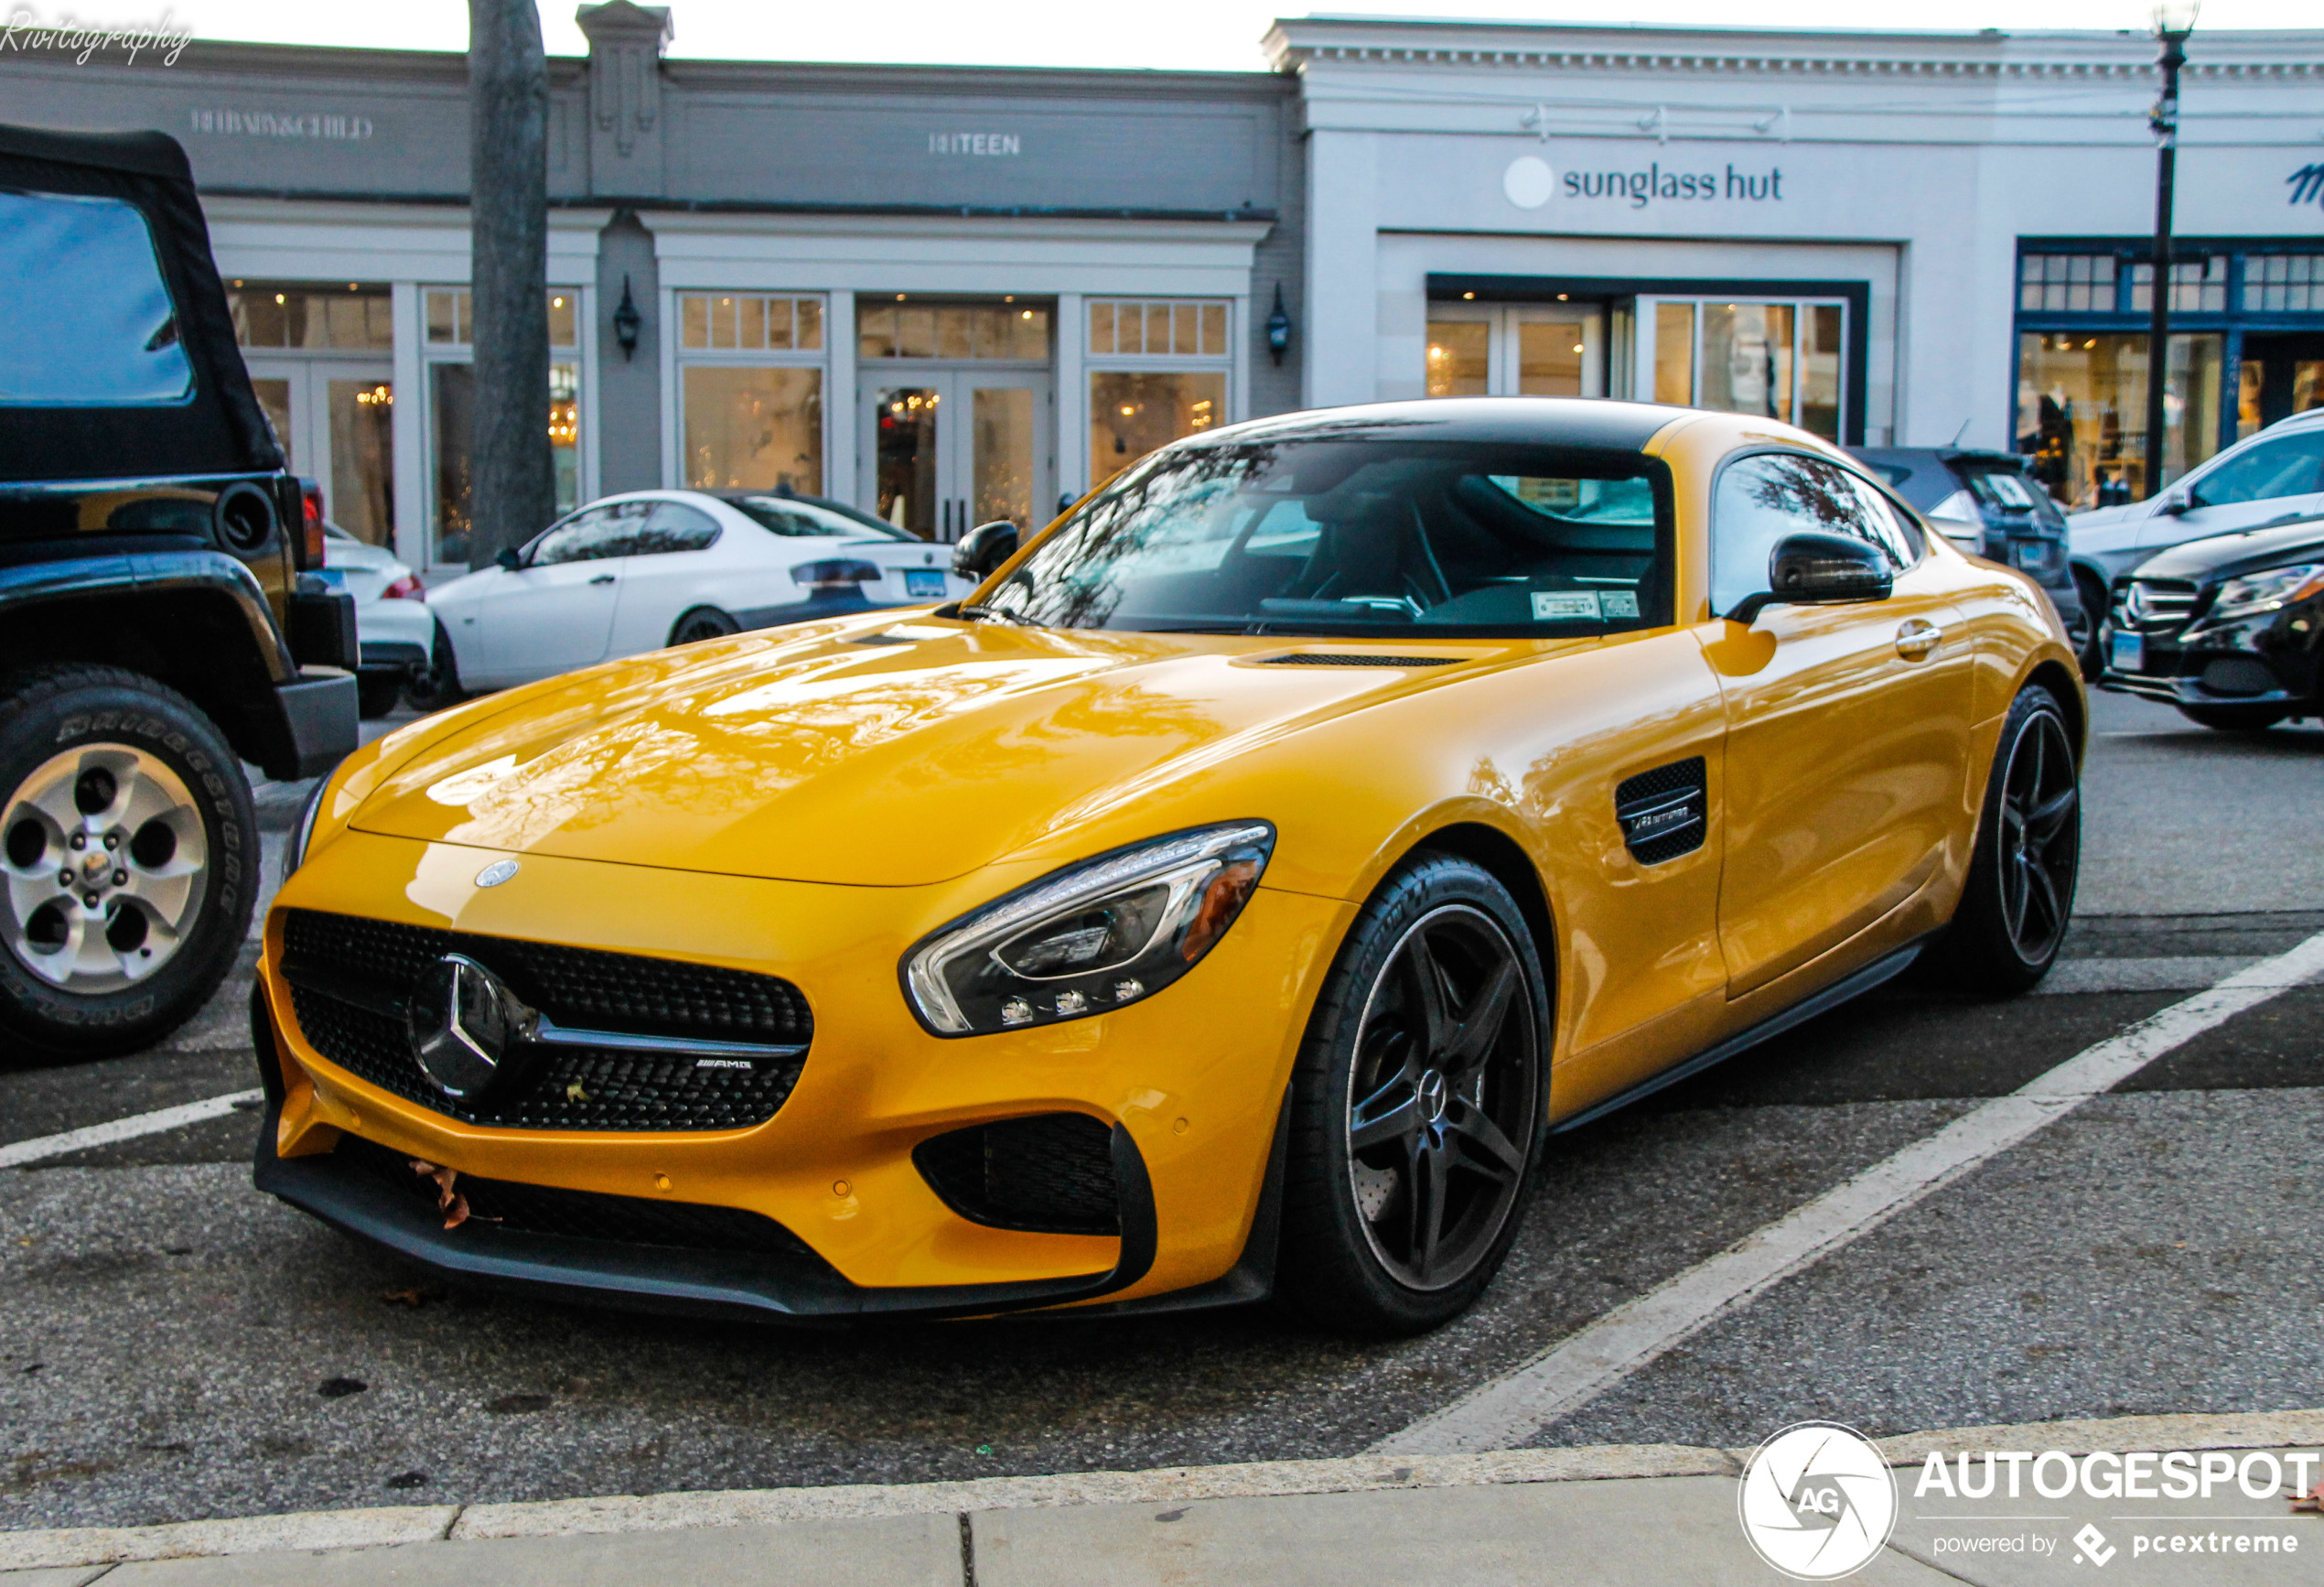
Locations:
649 568
392 619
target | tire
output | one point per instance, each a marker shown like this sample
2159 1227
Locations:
1391 1098
702 623
436 687
2091 650
130 950
2020 898
376 693
2235 718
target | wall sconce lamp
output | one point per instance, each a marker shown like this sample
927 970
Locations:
625 321
1278 327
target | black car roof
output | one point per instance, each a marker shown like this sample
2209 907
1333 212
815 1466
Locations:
144 154
1594 422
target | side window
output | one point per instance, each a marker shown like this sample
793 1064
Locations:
591 535
104 332
670 526
1894 532
1760 500
2289 466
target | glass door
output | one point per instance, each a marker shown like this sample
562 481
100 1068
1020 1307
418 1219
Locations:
337 427
946 450
1779 360
1515 350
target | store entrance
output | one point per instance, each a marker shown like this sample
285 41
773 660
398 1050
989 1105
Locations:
1515 349
2282 376
945 449
336 420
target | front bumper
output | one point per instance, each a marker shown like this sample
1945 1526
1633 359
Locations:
1190 1084
2255 661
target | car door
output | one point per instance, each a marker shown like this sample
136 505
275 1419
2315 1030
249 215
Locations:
668 569
556 612
1847 726
2276 476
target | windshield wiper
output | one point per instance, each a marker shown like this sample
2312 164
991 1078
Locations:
979 614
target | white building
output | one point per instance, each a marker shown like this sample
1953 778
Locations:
1891 238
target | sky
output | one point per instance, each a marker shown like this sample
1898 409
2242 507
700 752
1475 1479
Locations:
1181 34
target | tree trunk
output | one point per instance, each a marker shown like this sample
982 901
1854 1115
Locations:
512 496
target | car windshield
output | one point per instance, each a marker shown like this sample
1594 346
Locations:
806 520
1360 537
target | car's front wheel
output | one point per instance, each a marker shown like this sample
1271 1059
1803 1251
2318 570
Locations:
128 854
1417 1105
2014 910
2090 638
2234 719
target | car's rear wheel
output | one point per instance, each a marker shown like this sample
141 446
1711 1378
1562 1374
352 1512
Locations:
129 856
376 692
2235 718
436 685
702 623
2019 897
1417 1105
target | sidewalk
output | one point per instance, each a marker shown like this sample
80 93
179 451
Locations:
1613 1514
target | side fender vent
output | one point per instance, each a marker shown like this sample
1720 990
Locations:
1664 813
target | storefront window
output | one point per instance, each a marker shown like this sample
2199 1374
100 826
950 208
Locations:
1780 361
1175 355
1459 357
2283 283
750 321
2082 412
449 314
904 329
754 427
285 314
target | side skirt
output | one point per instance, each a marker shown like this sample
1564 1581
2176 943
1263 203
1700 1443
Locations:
1832 997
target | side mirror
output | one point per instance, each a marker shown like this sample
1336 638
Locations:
510 560
1968 533
1819 569
2174 506
983 549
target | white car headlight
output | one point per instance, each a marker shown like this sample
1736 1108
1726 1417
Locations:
1094 936
2267 590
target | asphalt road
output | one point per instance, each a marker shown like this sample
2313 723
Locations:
173 1346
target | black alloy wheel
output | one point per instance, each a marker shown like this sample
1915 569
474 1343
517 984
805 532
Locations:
2019 897
1419 1105
702 623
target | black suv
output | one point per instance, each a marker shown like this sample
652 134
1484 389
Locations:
2024 529
157 625
2229 628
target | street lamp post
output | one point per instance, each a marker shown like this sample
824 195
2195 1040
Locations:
2174 20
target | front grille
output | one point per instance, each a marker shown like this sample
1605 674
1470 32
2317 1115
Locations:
564 1087
1052 1173
536 1209
2153 605
1324 659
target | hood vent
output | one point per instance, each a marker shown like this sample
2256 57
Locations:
1329 659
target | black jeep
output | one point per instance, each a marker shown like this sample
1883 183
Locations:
156 627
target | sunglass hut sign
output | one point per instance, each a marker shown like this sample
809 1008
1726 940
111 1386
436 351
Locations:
1531 182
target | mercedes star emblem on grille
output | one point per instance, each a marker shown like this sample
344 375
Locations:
494 874
462 1020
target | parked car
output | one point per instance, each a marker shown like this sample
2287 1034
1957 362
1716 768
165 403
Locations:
2229 630
392 623
1230 895
649 568
2273 477
2023 527
161 617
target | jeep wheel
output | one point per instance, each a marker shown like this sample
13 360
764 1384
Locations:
129 850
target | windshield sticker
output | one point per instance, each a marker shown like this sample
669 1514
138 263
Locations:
1573 605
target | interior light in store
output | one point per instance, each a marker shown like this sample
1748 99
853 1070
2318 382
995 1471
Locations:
1437 352
350 286
1128 411
1468 297
1023 314
280 298
899 297
1577 347
1561 297
2090 343
557 303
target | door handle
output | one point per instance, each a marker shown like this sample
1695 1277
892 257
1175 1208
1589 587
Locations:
607 578
1916 639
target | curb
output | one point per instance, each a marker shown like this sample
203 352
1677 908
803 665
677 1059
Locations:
382 1526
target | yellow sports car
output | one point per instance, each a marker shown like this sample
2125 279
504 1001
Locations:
1232 895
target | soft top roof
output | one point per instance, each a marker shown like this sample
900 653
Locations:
220 429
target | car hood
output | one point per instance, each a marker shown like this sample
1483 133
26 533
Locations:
883 755
2227 554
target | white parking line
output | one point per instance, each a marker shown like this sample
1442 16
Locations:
1506 1412
47 1145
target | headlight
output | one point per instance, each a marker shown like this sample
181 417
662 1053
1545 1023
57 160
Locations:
303 829
1094 936
2266 591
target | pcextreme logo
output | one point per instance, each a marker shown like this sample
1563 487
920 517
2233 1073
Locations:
1817 1501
